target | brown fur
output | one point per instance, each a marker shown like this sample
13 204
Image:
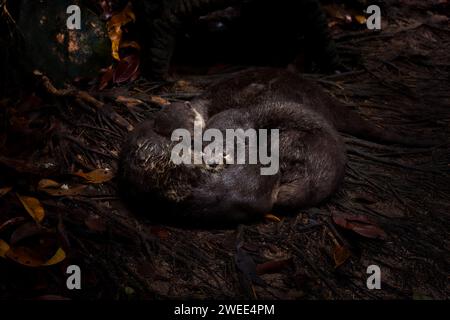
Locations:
312 154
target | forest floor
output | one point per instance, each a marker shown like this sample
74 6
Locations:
392 211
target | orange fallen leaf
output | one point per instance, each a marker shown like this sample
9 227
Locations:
4 191
4 248
28 257
97 176
129 102
47 183
114 26
24 256
33 207
340 255
59 256
360 19
271 217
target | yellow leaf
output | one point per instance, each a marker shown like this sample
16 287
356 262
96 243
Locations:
26 257
4 248
360 19
33 207
115 28
96 176
59 256
4 191
115 34
271 217
341 254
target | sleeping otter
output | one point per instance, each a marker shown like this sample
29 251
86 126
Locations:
312 154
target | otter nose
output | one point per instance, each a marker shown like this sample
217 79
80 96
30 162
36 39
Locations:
212 163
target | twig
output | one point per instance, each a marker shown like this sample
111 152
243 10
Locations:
80 95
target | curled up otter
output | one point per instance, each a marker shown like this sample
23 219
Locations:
312 155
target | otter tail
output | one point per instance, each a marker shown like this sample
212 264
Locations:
349 121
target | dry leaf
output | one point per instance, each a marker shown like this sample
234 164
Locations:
4 248
4 191
65 190
360 19
59 256
359 224
33 207
115 28
127 69
271 217
273 266
97 176
340 255
26 257
129 102
47 183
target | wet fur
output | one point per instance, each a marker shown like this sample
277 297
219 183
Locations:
312 153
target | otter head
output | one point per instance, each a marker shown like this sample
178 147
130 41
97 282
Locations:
178 115
146 162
